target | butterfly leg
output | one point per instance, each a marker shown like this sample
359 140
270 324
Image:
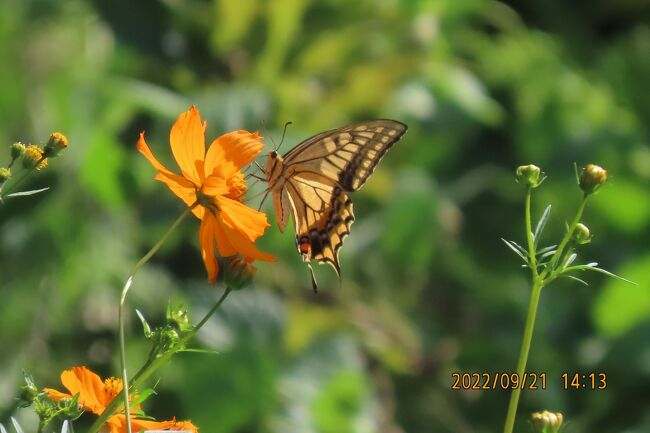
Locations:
314 285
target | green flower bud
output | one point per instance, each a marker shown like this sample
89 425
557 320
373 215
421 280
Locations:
28 394
17 150
581 234
592 177
5 174
546 422
178 318
55 144
529 175
238 272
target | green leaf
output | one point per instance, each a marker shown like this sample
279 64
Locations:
26 193
145 325
541 224
513 246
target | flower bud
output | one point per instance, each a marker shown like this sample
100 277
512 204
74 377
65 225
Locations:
581 234
178 317
17 150
546 422
5 173
55 144
238 272
33 157
28 394
592 177
529 175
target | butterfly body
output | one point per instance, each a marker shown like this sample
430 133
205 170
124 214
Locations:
312 182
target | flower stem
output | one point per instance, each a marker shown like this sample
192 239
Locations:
529 235
523 354
154 364
567 236
23 175
125 291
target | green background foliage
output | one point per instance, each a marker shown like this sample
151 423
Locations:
427 287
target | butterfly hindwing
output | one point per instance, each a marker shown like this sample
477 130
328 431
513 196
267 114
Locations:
323 239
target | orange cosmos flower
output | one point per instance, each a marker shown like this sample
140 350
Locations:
95 395
214 186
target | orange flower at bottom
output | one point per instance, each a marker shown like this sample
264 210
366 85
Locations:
213 184
95 395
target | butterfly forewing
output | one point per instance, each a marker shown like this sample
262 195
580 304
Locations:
347 155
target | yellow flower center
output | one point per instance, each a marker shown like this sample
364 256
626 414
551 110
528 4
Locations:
237 186
112 387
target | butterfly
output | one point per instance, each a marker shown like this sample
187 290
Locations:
312 182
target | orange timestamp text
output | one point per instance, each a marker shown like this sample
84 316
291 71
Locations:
497 380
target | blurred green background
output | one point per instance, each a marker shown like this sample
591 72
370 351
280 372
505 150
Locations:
427 286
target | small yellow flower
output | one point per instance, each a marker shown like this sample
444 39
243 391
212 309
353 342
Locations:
5 174
55 144
34 157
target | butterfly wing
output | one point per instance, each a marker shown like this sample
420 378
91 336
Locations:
346 155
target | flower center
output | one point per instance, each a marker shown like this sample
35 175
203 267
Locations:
237 186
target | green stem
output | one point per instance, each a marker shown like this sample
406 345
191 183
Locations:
523 354
529 235
125 291
567 237
23 175
152 365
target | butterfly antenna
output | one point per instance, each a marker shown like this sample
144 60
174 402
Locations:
314 285
284 132
266 133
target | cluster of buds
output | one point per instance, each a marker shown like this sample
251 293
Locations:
546 422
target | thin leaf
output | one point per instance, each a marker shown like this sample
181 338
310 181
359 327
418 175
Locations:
546 249
514 248
26 193
570 260
145 325
3 429
602 271
16 425
65 427
541 224
575 279
209 352
547 254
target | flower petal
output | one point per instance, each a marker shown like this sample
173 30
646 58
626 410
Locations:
206 241
183 188
247 221
214 186
229 238
187 140
55 395
143 148
88 385
117 424
231 152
